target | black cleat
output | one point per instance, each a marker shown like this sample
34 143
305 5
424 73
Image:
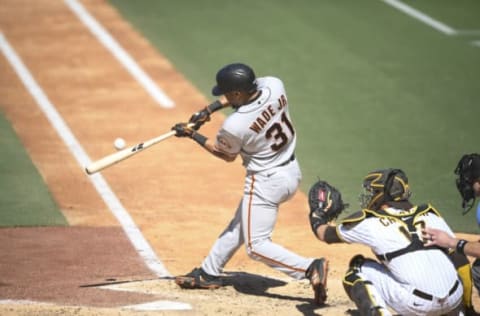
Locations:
317 274
198 279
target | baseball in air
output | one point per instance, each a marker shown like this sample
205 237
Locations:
119 143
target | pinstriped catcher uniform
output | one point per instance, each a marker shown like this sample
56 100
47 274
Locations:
407 276
416 282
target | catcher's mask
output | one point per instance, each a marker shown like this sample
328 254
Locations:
381 186
467 171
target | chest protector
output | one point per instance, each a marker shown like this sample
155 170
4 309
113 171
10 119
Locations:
409 218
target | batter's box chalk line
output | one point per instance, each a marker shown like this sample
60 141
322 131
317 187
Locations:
159 305
150 306
22 302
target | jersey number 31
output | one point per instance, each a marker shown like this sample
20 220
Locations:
277 132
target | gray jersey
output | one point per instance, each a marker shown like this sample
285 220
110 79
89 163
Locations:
261 131
262 134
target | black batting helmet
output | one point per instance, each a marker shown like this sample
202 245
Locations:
467 171
385 185
235 77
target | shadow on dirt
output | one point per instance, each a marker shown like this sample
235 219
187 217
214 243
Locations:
253 284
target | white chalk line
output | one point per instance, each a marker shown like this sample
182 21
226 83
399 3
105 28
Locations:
416 14
159 306
154 305
22 302
468 32
102 187
120 54
437 25
149 306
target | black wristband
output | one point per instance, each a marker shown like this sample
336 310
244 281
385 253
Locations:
214 106
199 138
460 246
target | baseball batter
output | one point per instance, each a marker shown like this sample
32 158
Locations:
261 132
406 277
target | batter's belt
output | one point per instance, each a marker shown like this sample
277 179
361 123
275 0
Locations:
429 297
289 160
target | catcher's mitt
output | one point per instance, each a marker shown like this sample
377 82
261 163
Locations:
325 203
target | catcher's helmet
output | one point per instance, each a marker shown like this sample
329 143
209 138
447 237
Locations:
235 77
467 171
383 186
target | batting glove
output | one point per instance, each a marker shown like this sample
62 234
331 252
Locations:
182 130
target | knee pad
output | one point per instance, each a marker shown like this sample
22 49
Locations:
357 261
359 290
361 296
351 276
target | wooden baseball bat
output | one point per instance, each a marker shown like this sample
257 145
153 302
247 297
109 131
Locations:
123 154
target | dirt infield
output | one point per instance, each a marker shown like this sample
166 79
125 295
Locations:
180 197
60 265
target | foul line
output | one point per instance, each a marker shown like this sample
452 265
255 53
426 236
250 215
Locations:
439 26
125 59
102 187
468 32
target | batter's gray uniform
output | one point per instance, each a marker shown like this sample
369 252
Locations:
412 282
263 134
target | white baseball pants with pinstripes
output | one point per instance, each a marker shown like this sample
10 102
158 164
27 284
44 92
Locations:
389 292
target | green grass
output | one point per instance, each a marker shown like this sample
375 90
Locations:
369 86
459 14
24 197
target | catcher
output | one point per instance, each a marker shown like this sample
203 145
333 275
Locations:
406 277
